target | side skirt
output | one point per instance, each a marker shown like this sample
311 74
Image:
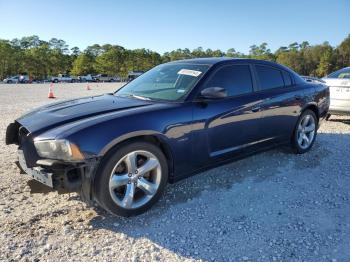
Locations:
237 157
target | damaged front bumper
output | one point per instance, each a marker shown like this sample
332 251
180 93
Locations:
62 177
57 175
36 173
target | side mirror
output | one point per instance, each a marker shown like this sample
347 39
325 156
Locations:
214 93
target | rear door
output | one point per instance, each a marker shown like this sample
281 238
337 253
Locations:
224 126
281 101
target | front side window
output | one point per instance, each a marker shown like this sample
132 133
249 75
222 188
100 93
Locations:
169 82
236 79
342 73
269 77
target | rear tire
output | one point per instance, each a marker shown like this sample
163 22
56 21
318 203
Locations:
305 132
126 189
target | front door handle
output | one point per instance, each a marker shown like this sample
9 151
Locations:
297 97
256 109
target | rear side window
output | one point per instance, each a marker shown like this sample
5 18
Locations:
236 79
269 77
287 79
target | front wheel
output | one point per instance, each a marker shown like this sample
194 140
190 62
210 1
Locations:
130 179
305 132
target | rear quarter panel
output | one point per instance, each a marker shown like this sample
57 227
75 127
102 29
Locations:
321 97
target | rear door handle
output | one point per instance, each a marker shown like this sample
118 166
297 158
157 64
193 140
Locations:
256 109
297 97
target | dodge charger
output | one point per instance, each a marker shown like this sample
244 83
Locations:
120 150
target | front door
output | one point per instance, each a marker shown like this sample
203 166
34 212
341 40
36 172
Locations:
224 126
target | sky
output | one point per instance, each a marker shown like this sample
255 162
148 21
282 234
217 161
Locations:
165 25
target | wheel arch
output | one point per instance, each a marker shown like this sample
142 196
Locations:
313 107
148 136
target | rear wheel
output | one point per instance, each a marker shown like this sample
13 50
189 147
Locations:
305 132
131 179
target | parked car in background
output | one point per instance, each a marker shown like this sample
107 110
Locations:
134 74
17 79
87 78
121 149
313 79
339 85
63 78
106 78
11 79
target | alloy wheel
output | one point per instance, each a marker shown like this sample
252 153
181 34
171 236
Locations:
135 179
306 131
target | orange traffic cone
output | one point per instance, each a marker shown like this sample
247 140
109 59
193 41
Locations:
88 87
51 95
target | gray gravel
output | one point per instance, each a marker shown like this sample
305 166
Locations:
274 206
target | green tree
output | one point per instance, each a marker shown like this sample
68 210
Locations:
94 50
40 58
36 61
261 52
83 65
8 65
292 59
343 53
325 65
111 62
75 51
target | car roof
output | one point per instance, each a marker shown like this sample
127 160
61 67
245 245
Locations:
216 60
212 61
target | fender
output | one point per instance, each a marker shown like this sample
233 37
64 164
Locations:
126 136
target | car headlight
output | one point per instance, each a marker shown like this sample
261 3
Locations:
58 149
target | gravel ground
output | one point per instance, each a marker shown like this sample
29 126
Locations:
274 206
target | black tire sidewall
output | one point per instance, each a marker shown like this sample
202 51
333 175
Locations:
105 168
295 144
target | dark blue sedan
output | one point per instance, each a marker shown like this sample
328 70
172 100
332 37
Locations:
121 149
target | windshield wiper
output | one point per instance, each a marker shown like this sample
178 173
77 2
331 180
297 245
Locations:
136 96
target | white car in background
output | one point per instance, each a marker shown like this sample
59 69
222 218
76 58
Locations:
86 78
16 79
106 78
339 86
63 78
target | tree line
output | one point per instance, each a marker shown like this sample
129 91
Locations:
40 59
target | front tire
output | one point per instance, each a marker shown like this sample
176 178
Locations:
305 132
131 178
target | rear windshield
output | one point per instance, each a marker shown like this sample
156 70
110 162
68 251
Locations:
342 73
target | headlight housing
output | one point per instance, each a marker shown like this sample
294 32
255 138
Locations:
58 149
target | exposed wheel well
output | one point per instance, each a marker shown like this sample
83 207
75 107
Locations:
156 141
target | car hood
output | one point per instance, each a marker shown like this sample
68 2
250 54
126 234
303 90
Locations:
56 114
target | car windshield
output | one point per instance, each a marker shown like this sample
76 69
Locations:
342 73
169 82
